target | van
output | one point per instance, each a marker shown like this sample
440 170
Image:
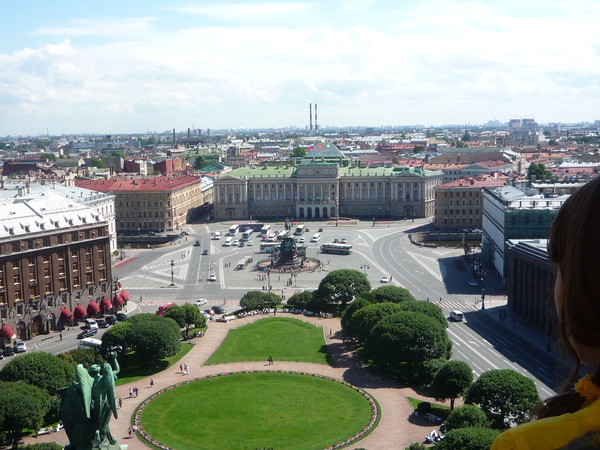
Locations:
456 316
91 324
161 309
90 343
228 242
217 236
316 238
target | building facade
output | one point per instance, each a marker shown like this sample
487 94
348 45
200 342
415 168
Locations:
153 204
325 184
54 256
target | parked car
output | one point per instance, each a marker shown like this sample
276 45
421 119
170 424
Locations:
205 314
20 346
121 317
111 320
249 244
343 241
385 279
242 244
212 277
200 302
235 243
102 323
205 252
473 282
209 312
218 309
8 351
86 334
320 230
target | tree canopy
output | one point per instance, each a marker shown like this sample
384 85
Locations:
358 303
200 162
506 396
452 381
299 152
406 340
429 309
473 438
301 300
361 323
340 287
466 416
258 300
539 171
389 293
40 369
22 405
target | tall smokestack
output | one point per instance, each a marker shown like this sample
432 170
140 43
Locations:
174 139
316 126
189 133
310 115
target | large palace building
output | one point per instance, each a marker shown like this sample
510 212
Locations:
325 184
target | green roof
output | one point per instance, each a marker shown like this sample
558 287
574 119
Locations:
282 171
325 150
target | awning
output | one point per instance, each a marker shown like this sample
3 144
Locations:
65 314
124 294
93 309
6 332
106 304
79 312
118 300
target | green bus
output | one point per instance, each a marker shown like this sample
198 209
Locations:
337 249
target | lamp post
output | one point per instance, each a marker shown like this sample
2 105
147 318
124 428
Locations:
482 289
172 274
364 268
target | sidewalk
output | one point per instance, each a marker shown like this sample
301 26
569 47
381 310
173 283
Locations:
397 428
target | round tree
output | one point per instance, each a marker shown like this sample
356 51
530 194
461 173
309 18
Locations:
340 287
467 416
393 294
362 321
429 309
404 341
301 300
154 340
40 369
506 396
452 381
259 299
468 438
357 304
22 405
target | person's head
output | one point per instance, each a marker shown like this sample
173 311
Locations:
574 245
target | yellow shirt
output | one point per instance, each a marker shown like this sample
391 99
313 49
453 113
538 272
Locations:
552 432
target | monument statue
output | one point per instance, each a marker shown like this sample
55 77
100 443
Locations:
87 404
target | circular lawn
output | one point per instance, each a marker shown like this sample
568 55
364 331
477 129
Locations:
281 410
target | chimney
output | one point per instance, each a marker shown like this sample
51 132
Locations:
174 139
310 115
316 126
189 133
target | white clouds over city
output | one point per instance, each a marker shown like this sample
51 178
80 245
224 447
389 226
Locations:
259 64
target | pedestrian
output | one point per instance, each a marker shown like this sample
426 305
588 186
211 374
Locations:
181 367
129 431
567 419
120 402
140 299
60 336
136 391
270 359
131 392
151 382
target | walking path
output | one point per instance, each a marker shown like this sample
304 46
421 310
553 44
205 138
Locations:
398 426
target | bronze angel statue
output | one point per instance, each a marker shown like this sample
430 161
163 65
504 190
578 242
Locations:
87 404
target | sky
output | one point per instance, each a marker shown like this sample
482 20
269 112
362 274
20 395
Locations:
114 67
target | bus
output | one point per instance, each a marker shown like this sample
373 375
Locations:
88 343
299 230
265 231
233 230
247 235
337 249
269 247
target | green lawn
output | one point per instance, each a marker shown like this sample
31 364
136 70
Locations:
438 410
132 371
256 410
283 338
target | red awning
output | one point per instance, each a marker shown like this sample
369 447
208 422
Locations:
124 294
79 312
118 300
6 332
93 309
105 303
65 314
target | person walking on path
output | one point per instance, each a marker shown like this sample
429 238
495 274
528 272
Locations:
270 360
60 336
151 382
120 402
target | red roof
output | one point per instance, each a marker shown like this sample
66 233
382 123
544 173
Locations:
80 312
6 332
93 308
152 184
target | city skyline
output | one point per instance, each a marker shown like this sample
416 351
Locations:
136 66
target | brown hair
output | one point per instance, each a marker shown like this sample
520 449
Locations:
574 243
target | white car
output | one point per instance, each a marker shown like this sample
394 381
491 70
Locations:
385 279
20 346
302 240
235 243
249 244
212 277
200 302
343 241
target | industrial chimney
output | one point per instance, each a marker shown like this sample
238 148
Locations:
310 115
316 126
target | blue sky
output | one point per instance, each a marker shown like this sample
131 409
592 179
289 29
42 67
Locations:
132 66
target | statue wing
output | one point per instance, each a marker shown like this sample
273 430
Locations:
84 384
108 386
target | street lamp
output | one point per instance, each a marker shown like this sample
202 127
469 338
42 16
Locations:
364 268
172 265
482 289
